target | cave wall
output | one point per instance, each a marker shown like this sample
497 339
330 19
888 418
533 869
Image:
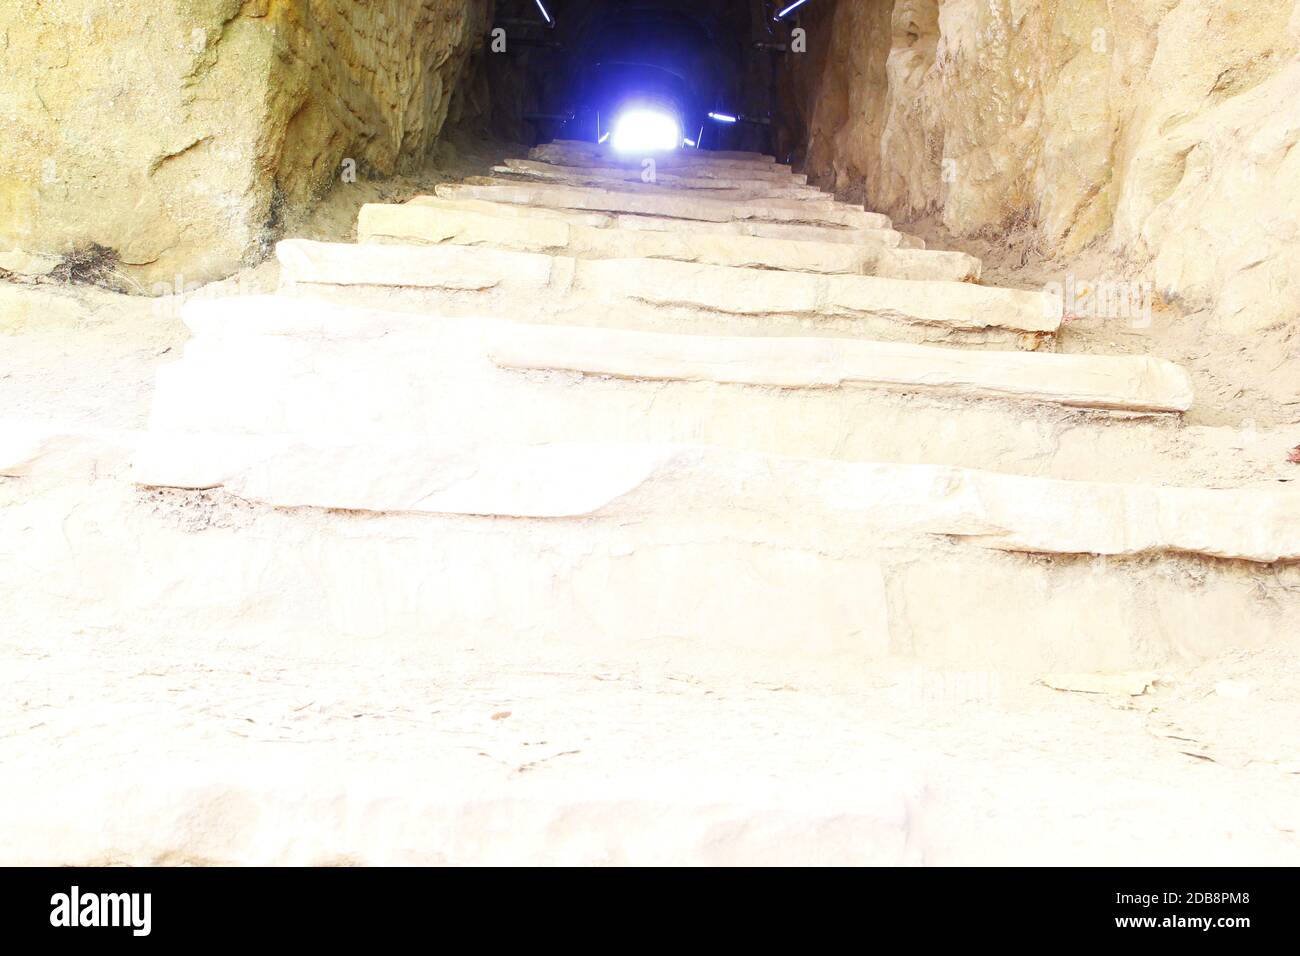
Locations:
178 133
1164 128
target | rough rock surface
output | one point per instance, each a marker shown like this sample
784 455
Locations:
176 136
1153 126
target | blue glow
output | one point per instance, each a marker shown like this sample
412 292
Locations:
723 117
790 9
547 15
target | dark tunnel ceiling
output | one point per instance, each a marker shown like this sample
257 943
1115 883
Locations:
697 55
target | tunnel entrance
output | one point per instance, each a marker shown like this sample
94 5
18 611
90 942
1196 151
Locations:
708 69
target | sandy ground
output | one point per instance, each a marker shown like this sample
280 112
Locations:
909 765
1204 767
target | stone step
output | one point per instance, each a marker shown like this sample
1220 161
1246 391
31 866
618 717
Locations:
669 549
598 175
428 224
589 154
1114 383
668 205
636 482
663 295
746 194
602 220
313 368
775 175
727 190
55 450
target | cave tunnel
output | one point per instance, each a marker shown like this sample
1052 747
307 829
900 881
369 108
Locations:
594 69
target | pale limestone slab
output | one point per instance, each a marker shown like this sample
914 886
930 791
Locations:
1118 383
450 267
47 448
309 366
635 482
422 224
802 232
950 306
668 205
680 176
501 210
719 190
954 304
684 576
883 235
641 179
922 263
430 220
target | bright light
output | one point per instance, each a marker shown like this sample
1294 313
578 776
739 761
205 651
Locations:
790 9
646 131
689 142
603 137
723 117
545 14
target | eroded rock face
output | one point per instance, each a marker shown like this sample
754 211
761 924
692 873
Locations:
175 135
1163 127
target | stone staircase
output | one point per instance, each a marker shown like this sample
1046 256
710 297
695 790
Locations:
561 413
566 404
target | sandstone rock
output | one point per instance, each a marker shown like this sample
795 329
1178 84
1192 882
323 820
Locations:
883 235
48 449
22 264
419 224
922 264
1003 512
707 572
1152 127
672 206
177 137
726 190
683 179
1126 383
950 307
308 368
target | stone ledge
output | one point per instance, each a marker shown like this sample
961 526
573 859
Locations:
885 235
613 482
1117 383
429 223
685 174
669 205
632 180
946 306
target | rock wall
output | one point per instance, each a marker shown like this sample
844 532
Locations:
1163 127
176 134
